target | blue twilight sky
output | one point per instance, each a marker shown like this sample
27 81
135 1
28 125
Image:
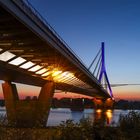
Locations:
84 24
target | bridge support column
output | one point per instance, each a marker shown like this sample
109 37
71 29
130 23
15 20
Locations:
44 102
11 97
27 113
109 103
103 111
98 103
103 103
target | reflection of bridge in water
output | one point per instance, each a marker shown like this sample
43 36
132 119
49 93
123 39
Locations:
32 53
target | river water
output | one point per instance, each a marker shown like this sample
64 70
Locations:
111 117
58 115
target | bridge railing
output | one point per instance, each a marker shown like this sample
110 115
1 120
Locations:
29 8
30 11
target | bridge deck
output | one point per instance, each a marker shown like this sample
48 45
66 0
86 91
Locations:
31 53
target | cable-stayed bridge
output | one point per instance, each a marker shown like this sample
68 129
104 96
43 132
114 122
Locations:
31 52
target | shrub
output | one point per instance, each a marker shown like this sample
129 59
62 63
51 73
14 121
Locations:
130 125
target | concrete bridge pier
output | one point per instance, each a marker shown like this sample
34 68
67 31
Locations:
103 103
27 113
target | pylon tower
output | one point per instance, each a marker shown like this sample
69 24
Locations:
103 73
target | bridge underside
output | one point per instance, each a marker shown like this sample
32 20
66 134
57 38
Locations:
31 53
18 36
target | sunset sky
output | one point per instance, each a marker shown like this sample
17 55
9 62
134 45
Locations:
84 24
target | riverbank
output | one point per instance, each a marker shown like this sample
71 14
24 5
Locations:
87 103
67 133
127 129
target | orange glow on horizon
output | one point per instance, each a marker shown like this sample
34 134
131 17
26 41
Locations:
70 95
120 96
125 93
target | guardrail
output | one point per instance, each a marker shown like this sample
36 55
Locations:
28 8
27 5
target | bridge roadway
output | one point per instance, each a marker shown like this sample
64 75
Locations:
34 52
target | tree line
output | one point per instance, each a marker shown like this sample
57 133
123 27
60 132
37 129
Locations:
84 102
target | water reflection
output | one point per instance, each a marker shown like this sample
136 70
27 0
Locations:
103 117
108 117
